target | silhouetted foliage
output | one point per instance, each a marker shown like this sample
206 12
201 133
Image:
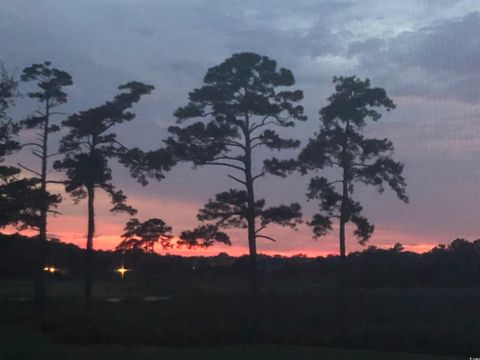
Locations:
18 197
230 210
340 143
50 83
88 148
454 265
144 235
240 103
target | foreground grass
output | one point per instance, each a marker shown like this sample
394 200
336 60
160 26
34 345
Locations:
215 319
18 343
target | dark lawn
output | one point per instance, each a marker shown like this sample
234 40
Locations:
217 318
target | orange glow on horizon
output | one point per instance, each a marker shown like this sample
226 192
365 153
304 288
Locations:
108 242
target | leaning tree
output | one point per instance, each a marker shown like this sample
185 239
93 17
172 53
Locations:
236 111
88 148
341 144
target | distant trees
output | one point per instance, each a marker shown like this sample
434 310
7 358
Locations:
50 83
340 144
237 109
144 235
88 148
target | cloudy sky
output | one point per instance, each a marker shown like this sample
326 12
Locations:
425 53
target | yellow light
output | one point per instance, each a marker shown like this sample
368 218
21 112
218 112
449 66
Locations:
122 270
50 269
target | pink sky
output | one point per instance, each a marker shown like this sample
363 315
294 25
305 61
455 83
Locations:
71 228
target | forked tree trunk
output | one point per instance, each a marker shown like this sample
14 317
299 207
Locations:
89 251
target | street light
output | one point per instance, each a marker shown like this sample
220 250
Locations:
122 270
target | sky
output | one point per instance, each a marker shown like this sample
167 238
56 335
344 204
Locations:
425 53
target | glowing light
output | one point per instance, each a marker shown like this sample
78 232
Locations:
50 269
122 271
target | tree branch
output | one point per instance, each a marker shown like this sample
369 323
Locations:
32 144
260 229
63 182
229 158
263 173
266 237
28 169
237 179
335 182
225 164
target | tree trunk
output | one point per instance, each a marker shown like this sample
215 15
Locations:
344 210
343 218
89 251
252 236
252 240
39 283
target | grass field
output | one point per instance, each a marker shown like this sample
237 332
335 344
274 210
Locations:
214 323
17 343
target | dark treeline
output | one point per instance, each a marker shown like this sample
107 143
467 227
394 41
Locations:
453 265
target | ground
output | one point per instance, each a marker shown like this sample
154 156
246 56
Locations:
177 320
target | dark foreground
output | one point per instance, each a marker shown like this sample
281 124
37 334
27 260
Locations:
211 317
21 344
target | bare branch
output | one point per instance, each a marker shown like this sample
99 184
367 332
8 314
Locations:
335 182
37 154
266 237
28 169
260 229
119 143
63 182
263 173
32 144
233 143
237 179
229 158
54 154
225 164
264 122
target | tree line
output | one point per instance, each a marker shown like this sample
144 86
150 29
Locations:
444 266
237 111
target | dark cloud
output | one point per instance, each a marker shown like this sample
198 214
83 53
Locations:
438 61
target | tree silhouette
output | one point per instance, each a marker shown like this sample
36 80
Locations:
144 235
50 83
230 210
88 148
340 143
240 103
10 209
